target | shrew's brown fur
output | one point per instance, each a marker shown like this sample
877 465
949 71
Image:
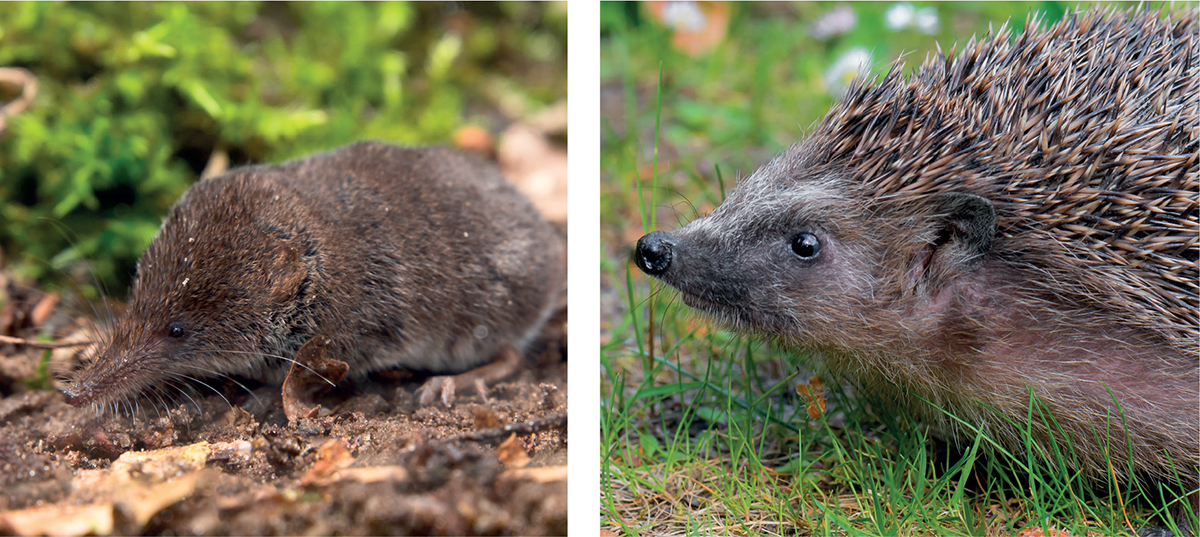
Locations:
418 258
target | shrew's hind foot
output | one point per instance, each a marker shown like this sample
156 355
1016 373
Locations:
508 361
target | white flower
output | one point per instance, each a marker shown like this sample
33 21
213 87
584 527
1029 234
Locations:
903 16
684 16
927 20
900 16
854 61
838 21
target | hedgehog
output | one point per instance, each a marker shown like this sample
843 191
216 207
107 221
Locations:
1016 219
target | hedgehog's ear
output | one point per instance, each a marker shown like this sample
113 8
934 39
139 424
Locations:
285 273
962 228
966 229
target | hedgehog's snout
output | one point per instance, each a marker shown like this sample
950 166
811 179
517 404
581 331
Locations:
654 252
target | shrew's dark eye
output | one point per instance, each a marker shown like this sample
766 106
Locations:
806 245
175 330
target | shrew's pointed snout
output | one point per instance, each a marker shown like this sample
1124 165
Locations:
79 393
654 252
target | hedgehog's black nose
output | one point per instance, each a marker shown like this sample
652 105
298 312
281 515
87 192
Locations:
653 254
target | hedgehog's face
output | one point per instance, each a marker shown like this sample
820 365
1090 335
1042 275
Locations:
801 254
782 257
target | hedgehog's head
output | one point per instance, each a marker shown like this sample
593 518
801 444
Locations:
797 250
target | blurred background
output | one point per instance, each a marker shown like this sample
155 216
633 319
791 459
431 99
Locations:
110 110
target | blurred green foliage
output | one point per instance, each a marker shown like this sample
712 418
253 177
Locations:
134 98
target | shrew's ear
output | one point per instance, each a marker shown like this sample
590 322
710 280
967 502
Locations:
285 273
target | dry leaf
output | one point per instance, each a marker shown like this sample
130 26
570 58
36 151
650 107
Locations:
237 451
141 484
372 474
218 163
155 465
332 456
475 139
1038 532
537 168
512 453
333 464
43 309
697 26
541 474
486 418
697 324
309 376
59 519
142 502
23 78
814 392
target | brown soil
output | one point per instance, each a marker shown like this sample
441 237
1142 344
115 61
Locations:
373 461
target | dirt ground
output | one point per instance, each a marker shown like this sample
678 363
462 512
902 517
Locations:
371 461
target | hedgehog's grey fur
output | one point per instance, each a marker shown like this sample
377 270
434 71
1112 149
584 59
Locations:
1020 216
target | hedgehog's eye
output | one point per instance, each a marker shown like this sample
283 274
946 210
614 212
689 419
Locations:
175 330
806 246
